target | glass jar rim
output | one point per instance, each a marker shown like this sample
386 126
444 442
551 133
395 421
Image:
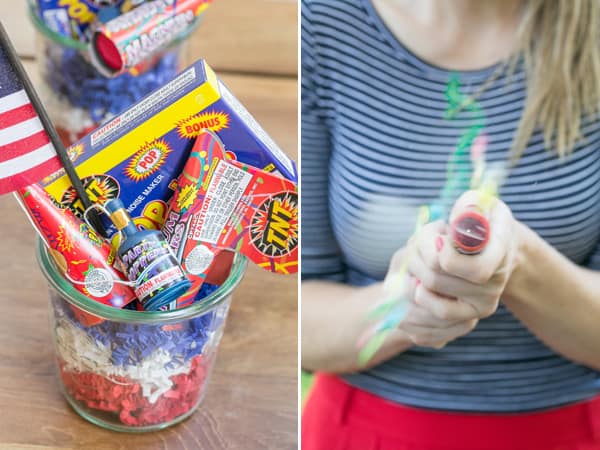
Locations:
83 46
74 297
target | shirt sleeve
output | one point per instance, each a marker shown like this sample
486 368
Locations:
321 256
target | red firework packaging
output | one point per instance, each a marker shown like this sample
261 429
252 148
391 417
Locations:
126 41
205 154
226 205
264 224
84 258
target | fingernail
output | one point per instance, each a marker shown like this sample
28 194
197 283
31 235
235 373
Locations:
439 243
417 282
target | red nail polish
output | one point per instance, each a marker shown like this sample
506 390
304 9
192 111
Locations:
439 243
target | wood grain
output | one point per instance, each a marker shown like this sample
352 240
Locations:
252 396
258 36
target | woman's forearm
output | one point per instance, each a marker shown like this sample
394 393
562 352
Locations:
556 299
334 316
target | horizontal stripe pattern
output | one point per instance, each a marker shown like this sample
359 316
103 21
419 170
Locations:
23 146
31 175
26 154
13 117
14 100
27 161
375 144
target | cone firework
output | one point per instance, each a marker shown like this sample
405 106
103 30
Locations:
80 254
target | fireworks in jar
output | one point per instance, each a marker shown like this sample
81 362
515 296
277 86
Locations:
74 91
136 371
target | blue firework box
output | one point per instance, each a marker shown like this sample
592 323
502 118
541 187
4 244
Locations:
138 154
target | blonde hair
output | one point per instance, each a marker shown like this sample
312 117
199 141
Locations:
559 42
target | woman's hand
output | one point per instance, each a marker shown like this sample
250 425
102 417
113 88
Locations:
491 268
449 291
432 319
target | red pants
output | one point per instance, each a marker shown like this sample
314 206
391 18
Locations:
340 417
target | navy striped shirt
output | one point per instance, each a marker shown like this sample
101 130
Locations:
376 139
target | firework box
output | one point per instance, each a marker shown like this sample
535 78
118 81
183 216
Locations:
227 205
138 155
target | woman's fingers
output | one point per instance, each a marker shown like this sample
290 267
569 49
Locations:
401 258
476 300
483 300
448 291
429 243
437 337
437 281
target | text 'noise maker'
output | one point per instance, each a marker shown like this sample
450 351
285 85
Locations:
147 260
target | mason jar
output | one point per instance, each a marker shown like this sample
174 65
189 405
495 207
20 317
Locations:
129 370
77 97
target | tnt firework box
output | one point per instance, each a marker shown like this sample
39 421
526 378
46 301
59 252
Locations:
138 155
227 205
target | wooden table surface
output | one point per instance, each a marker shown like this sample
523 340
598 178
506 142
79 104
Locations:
252 397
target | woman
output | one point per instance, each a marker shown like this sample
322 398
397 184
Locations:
499 350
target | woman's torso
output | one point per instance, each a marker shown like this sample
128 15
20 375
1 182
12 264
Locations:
392 131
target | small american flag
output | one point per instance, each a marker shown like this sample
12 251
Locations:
26 153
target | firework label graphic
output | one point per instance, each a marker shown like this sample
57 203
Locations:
147 161
183 213
210 120
98 282
199 259
225 190
99 188
274 228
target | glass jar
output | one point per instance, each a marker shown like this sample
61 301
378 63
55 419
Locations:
77 97
134 371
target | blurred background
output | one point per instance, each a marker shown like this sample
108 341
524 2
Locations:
254 37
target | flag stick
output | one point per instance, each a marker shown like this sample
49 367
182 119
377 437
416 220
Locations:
15 62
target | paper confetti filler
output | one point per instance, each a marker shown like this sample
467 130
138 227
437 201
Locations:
466 170
141 374
80 99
